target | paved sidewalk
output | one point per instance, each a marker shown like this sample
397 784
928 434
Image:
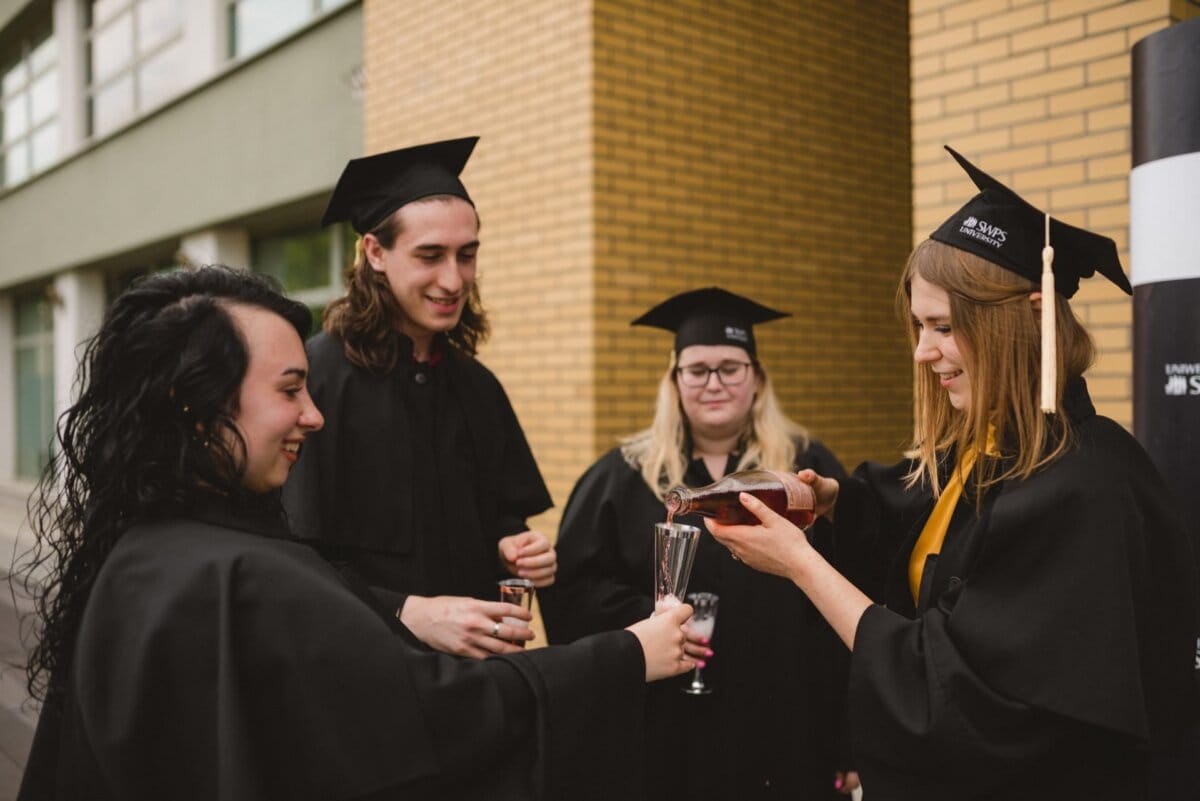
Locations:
17 718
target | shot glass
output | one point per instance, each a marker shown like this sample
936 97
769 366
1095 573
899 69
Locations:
516 591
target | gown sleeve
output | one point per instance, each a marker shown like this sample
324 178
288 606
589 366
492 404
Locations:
1049 637
604 579
914 702
256 673
520 490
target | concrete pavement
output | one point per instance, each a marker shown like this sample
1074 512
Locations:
17 717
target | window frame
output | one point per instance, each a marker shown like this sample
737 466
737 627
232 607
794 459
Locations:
27 45
130 69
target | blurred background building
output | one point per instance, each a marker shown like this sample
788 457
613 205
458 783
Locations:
630 149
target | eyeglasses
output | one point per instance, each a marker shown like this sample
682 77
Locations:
730 374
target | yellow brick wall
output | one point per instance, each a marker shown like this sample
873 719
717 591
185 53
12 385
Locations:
633 149
519 76
762 147
1037 94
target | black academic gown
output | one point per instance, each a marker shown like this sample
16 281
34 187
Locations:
417 474
217 661
771 727
1053 640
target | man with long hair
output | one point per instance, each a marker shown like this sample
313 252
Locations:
421 482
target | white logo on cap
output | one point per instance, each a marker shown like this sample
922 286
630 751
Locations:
1182 379
736 334
984 231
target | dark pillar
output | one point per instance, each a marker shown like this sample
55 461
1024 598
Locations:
1165 249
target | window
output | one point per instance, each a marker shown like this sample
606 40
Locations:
29 108
256 24
136 59
308 264
34 384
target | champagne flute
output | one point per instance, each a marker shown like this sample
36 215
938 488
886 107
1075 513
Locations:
674 550
704 620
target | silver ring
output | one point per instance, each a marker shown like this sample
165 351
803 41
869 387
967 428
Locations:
495 629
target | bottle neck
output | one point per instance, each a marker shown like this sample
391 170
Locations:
678 501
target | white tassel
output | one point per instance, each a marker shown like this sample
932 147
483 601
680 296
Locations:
1049 337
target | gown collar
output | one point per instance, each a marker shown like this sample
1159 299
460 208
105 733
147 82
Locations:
437 351
263 516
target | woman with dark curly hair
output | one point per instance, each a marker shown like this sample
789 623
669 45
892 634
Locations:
189 648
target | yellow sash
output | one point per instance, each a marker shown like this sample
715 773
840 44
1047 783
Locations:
934 533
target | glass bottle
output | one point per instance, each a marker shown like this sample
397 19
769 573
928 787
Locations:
783 492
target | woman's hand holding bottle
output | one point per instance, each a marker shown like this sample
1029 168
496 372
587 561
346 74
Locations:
825 490
775 545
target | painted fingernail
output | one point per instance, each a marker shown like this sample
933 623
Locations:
837 784
700 663
708 652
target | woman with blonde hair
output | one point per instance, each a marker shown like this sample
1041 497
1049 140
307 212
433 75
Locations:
769 727
1033 635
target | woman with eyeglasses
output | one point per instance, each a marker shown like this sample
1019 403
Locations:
769 728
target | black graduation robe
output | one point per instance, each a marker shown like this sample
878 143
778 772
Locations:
416 476
1053 640
771 727
215 662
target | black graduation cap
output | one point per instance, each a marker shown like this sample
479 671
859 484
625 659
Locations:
998 225
372 187
710 316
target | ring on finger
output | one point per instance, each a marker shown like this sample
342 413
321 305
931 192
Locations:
495 628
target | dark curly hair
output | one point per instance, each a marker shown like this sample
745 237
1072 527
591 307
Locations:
365 317
151 434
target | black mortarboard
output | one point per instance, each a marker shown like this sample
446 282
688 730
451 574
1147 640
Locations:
998 225
710 316
373 187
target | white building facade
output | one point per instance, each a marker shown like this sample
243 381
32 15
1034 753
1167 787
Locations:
137 135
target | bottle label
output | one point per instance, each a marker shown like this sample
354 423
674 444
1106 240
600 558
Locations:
799 495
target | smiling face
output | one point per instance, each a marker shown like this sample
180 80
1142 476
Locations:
716 410
936 346
430 267
275 411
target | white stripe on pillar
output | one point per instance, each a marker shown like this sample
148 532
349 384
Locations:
1164 220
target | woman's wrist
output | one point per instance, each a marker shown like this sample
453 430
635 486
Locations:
801 567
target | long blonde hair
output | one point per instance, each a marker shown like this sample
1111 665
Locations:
768 439
998 332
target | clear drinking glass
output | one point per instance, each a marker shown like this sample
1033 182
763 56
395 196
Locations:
674 550
704 620
519 592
